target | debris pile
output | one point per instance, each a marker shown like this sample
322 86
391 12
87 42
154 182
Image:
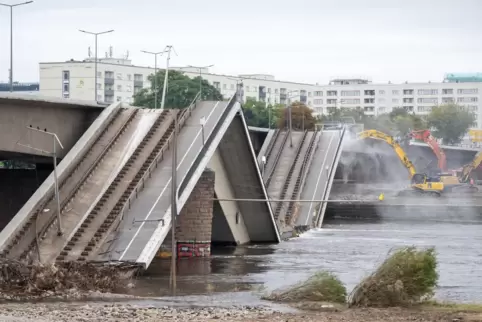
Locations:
19 280
408 276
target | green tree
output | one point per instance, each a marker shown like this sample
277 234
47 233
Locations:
451 122
181 91
301 117
259 114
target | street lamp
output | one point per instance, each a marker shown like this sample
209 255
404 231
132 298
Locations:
155 71
95 63
11 6
289 112
168 50
200 77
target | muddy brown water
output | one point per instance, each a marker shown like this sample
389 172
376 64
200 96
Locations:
349 248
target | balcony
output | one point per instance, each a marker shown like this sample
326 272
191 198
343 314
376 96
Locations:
138 83
303 99
109 80
108 92
282 96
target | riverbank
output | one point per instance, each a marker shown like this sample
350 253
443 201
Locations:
99 311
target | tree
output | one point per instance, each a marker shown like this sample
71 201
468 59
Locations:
259 114
450 122
180 93
301 117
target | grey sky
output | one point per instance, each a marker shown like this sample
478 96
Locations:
304 40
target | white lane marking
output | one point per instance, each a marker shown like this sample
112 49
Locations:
167 184
318 180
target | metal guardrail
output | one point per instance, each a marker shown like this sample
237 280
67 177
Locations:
185 113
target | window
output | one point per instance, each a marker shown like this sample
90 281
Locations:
466 99
99 74
369 100
369 108
424 108
448 100
99 98
231 86
408 92
129 77
381 92
276 91
309 94
350 93
109 74
225 86
318 93
119 98
318 101
269 90
119 76
395 92
331 101
331 93
138 78
217 85
427 92
427 100
472 108
66 87
447 91
408 100
247 88
66 75
119 87
467 91
395 100
369 92
66 95
99 86
129 88
350 101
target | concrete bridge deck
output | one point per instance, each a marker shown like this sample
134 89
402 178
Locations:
223 144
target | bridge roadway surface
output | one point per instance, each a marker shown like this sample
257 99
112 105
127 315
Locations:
153 203
317 178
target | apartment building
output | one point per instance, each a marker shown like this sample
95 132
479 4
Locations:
24 88
119 80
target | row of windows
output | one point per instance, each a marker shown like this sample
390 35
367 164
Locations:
447 91
408 100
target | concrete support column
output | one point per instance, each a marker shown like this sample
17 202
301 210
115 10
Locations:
194 224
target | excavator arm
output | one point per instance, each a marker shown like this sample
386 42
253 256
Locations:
467 169
377 135
426 136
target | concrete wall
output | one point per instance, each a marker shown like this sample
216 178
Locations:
68 121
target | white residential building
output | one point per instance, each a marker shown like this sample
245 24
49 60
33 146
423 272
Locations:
119 80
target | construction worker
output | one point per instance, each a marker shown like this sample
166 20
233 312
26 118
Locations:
381 197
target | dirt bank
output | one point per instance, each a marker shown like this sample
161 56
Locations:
125 312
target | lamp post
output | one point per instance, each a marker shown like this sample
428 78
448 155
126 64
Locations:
95 62
200 77
289 115
155 72
11 6
168 50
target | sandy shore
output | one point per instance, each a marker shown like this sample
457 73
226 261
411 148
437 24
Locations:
125 312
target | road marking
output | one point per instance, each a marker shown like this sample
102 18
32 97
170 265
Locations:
319 176
167 184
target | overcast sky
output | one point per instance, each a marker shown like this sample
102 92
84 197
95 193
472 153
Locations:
304 40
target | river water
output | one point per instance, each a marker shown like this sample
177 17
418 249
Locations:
350 249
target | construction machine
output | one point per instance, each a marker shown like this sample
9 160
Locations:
426 136
421 183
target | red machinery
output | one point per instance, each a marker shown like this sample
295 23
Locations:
426 136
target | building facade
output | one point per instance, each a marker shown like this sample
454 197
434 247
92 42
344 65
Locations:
119 80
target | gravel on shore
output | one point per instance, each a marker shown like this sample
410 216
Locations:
125 312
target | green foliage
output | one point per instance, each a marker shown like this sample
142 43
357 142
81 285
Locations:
406 277
260 115
450 122
322 286
181 91
301 117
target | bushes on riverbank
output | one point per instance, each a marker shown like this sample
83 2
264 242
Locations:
407 276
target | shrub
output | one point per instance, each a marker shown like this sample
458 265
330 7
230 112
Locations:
406 277
321 286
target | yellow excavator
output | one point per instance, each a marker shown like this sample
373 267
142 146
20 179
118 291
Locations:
421 183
